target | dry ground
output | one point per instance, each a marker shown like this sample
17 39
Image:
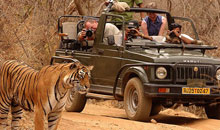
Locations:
107 115
102 116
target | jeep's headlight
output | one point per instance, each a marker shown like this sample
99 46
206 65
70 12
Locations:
218 74
161 73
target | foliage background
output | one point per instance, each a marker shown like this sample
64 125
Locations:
28 28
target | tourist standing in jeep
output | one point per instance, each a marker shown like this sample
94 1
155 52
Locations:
129 15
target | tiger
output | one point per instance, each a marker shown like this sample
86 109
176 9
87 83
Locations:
43 92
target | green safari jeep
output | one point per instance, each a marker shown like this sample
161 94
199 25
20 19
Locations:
145 74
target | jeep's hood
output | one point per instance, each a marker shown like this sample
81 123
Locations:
186 57
171 53
173 56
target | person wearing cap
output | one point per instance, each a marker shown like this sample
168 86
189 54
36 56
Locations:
132 30
153 24
176 33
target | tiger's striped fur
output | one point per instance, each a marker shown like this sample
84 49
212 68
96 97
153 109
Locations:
43 92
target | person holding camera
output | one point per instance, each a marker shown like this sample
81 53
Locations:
153 24
132 31
90 26
175 36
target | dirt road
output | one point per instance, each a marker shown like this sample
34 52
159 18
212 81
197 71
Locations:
101 117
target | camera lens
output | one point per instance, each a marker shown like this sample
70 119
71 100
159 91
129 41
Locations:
89 33
172 35
133 31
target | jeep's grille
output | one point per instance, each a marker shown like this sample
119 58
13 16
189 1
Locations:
184 72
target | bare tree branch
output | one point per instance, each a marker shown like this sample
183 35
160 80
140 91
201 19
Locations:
70 8
169 5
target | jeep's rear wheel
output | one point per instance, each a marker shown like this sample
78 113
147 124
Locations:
137 105
75 101
213 111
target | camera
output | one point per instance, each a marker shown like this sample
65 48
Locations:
89 33
132 31
172 35
132 25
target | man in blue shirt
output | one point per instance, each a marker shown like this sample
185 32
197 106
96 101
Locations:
153 24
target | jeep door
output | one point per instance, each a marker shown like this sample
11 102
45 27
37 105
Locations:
107 63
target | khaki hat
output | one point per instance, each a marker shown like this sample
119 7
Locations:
151 5
120 6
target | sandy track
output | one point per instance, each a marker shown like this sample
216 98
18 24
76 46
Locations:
96 117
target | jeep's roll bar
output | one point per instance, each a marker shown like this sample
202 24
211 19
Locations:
65 59
191 22
70 16
65 16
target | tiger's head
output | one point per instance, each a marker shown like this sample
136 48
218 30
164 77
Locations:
78 77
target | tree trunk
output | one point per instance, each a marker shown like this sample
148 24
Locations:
79 7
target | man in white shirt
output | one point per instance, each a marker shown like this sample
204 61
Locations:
92 24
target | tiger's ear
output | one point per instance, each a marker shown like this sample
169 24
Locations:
74 65
90 67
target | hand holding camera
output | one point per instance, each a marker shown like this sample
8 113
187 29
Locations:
133 32
89 33
174 33
86 34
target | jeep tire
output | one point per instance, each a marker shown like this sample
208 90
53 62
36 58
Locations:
137 105
75 101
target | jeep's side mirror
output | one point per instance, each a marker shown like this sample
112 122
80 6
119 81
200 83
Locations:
111 40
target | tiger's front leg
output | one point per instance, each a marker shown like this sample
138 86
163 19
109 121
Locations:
39 118
54 119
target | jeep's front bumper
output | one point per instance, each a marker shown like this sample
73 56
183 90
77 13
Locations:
175 93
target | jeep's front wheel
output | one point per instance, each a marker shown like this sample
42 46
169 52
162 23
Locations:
137 105
75 101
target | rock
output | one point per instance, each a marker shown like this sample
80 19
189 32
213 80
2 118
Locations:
153 121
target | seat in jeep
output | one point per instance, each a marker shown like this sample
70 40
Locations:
69 36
